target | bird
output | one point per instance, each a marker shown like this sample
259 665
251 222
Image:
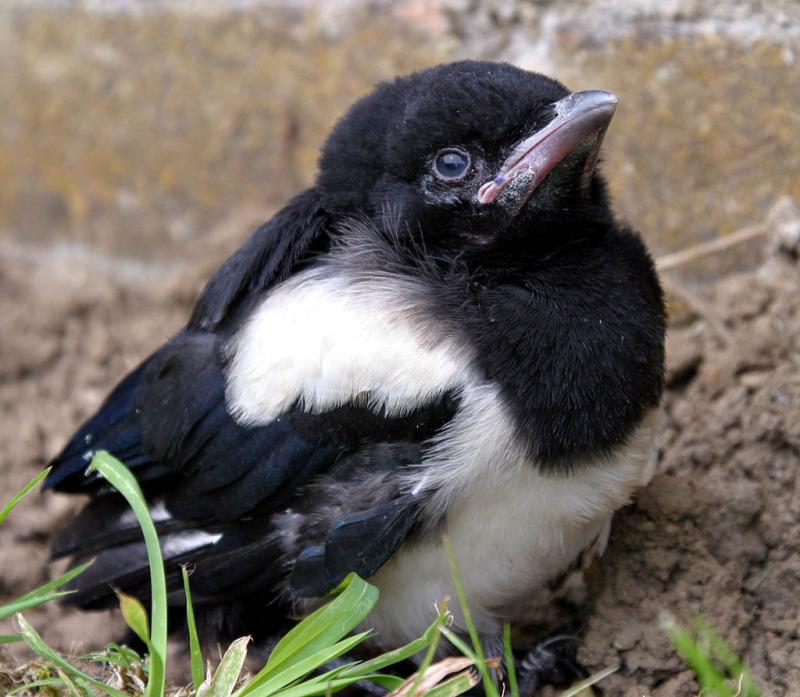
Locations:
449 333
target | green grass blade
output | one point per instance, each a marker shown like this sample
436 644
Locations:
86 687
315 689
9 639
39 647
19 605
337 672
58 582
125 483
22 493
735 666
718 669
389 658
114 654
296 671
71 687
328 624
455 686
322 628
513 686
228 672
488 683
699 660
390 682
135 616
578 688
426 662
39 596
46 682
459 643
195 652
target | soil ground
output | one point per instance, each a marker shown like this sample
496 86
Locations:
716 533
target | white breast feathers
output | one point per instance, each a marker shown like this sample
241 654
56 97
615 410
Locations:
324 340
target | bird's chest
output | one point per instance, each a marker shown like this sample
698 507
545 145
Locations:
512 530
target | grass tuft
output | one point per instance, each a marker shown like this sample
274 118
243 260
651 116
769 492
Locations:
295 668
125 483
478 656
22 493
298 665
510 664
719 671
195 652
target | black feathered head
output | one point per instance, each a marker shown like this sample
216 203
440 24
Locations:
469 154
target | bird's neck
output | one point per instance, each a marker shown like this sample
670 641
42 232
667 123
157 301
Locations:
573 337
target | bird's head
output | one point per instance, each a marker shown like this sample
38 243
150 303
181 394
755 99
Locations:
470 155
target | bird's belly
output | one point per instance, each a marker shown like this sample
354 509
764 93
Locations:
510 535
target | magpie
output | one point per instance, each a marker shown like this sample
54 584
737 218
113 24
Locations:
450 332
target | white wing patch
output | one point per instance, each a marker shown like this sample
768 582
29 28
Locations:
323 339
179 543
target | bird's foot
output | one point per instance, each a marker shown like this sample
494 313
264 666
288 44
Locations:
553 661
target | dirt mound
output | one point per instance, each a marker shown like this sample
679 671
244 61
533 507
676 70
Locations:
716 533
68 334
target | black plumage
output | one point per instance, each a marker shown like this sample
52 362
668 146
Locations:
454 284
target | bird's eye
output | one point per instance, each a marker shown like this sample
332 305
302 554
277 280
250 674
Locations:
451 164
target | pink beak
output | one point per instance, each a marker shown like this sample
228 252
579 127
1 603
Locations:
578 116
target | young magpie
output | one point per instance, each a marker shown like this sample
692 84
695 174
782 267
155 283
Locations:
449 332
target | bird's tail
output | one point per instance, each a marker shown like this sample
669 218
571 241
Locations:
232 566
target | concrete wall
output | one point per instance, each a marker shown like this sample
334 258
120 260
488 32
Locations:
133 128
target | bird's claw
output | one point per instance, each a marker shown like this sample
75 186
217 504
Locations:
552 661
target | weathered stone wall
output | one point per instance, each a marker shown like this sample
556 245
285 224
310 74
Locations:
135 127
134 131
705 137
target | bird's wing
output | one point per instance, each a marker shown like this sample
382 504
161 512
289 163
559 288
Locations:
214 484
273 252
276 250
169 418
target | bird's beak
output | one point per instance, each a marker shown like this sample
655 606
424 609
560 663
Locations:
577 117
